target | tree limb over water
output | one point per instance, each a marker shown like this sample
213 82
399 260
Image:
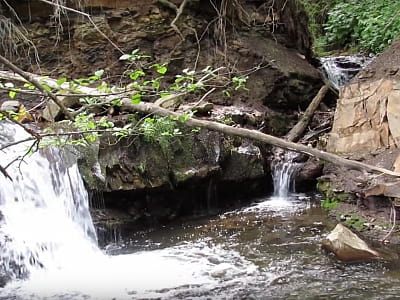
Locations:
150 108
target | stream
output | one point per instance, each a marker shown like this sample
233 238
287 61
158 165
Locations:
267 250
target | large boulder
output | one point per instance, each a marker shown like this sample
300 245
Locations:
367 128
136 164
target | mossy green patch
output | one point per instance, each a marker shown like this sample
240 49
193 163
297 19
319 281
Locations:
332 199
354 222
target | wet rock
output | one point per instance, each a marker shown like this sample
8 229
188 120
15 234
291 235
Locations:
309 171
244 162
348 247
203 109
52 111
306 176
192 157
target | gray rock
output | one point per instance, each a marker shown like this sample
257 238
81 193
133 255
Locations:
10 105
348 247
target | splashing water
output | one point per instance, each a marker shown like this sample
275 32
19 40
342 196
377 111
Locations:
48 241
265 251
45 215
283 169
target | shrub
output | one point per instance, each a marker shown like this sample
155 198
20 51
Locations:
367 25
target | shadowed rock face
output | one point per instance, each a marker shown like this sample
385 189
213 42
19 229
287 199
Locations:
269 35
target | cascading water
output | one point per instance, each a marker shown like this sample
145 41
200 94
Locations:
340 69
48 241
283 169
45 214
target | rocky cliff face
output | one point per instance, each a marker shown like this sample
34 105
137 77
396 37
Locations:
268 39
367 117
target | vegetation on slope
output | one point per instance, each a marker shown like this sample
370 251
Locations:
359 25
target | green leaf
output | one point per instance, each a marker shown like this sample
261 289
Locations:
179 79
162 69
12 94
61 81
226 93
46 87
136 74
116 102
125 57
136 98
164 94
134 52
156 84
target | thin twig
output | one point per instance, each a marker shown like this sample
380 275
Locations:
178 14
90 20
37 84
204 96
392 213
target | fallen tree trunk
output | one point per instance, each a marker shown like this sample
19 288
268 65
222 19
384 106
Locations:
258 136
297 131
229 130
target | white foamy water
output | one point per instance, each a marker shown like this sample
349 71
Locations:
340 69
48 241
283 169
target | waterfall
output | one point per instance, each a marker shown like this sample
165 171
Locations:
44 214
283 169
48 244
340 69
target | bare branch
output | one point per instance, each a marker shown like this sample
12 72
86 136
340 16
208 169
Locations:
4 172
37 84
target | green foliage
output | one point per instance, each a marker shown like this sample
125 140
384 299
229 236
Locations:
141 79
331 198
368 25
329 204
354 222
240 82
161 131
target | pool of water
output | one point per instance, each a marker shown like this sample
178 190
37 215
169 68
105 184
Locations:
268 250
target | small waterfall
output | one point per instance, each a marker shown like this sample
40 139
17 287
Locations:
340 69
45 220
283 169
